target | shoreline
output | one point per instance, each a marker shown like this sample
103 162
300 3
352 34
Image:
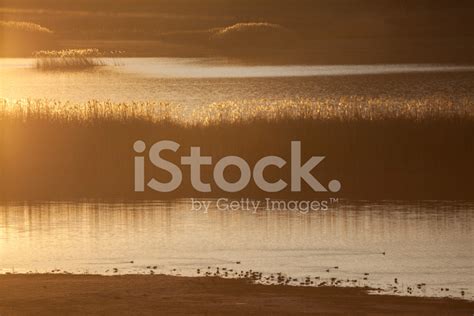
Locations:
45 294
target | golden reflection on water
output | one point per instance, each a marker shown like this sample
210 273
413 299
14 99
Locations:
430 242
194 82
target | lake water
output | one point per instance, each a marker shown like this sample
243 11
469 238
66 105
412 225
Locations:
428 243
194 82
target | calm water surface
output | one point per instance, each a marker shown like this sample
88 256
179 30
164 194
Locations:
194 82
428 243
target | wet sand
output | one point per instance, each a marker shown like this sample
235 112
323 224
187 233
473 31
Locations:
48 294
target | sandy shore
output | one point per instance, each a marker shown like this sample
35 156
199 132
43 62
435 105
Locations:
150 295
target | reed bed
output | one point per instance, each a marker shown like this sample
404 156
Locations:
379 148
344 109
71 59
354 108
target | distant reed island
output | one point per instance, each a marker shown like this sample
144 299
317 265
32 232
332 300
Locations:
74 59
377 147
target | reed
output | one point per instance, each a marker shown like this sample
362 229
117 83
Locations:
343 109
68 59
378 148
